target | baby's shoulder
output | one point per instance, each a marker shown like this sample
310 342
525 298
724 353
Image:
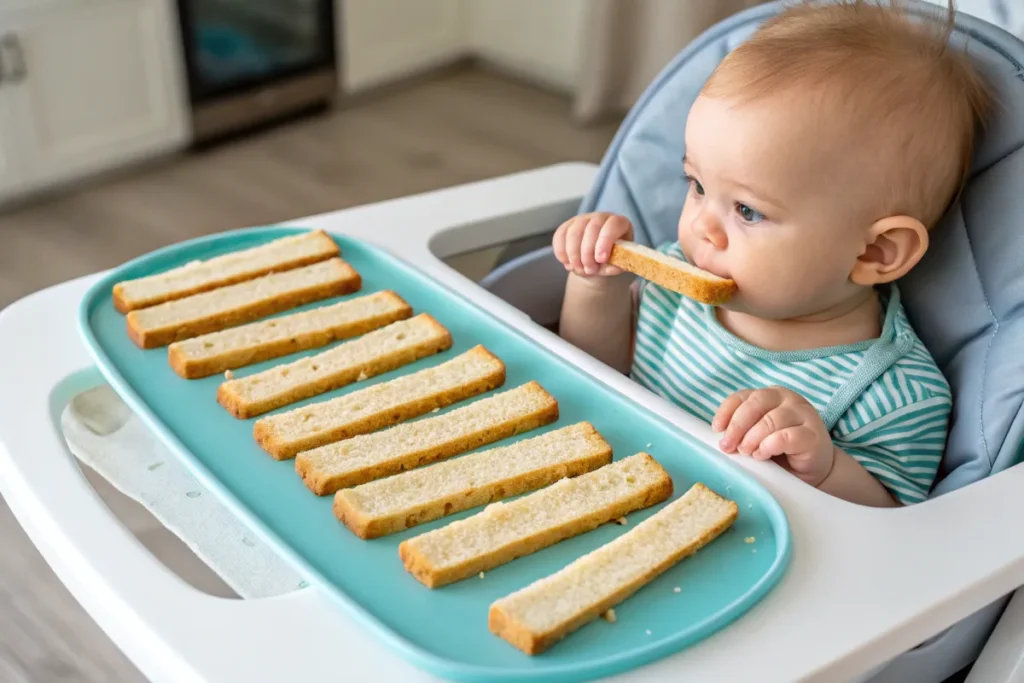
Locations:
909 400
917 364
910 390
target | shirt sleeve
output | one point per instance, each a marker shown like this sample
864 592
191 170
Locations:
897 431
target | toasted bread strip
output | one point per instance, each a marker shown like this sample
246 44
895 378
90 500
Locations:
380 405
504 531
536 617
371 456
241 303
256 342
671 273
398 344
202 276
396 503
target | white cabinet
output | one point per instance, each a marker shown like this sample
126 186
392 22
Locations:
535 39
386 40
98 87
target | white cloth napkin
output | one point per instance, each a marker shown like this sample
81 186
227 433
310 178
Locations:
103 434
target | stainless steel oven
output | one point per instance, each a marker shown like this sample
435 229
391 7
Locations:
253 61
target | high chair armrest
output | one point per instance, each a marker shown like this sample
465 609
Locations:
1002 659
534 283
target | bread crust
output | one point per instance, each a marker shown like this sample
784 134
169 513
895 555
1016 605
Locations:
280 449
328 249
244 409
366 526
502 624
712 291
346 281
325 483
238 357
435 577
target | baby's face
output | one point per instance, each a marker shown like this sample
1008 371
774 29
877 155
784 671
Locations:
776 202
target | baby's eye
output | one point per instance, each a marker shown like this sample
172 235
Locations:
697 187
748 214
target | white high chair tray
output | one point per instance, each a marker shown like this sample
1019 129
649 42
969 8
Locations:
863 586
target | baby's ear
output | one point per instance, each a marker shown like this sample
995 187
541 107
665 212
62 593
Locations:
893 246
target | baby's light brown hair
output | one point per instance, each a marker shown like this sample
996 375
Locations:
917 98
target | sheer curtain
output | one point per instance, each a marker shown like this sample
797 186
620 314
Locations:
627 42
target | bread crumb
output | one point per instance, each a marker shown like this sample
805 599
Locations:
677 589
362 376
621 521
435 410
481 575
228 374
648 631
609 616
749 539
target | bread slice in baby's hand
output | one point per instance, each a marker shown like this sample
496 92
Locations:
671 273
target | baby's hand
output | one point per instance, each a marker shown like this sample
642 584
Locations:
584 243
766 423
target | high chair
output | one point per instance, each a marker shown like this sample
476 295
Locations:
966 299
891 595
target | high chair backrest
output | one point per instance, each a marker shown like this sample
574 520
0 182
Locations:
965 299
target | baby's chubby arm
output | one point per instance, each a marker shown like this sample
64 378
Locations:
597 308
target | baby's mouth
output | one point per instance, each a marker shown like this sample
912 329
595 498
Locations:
700 263
694 259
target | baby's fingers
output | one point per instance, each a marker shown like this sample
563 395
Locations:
588 244
793 441
615 228
573 238
558 243
772 421
746 415
728 407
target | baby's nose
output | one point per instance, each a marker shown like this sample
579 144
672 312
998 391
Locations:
710 228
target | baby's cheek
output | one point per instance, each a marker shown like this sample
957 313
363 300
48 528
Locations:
685 238
774 284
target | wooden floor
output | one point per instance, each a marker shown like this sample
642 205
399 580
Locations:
461 127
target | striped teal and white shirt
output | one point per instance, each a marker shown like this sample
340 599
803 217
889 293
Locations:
884 401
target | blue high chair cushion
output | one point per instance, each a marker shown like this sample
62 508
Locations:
966 298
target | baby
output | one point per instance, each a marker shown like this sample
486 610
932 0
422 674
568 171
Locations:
818 156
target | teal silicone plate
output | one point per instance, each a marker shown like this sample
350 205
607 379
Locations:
444 631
